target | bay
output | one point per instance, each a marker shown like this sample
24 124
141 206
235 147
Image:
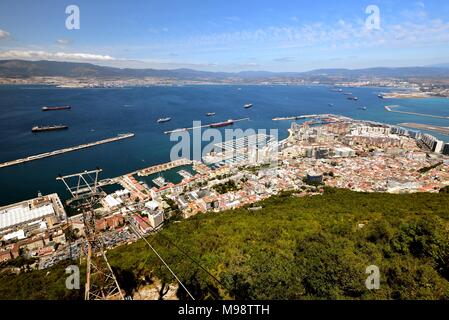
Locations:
102 113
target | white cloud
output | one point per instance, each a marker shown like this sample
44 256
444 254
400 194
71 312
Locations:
44 55
342 34
4 34
63 41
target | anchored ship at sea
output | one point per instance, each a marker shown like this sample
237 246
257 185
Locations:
222 124
162 120
49 128
56 108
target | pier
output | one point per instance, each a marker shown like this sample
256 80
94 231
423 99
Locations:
308 116
199 127
65 150
391 109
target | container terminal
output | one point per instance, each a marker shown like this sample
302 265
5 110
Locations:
65 150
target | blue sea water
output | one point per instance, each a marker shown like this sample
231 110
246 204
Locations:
101 113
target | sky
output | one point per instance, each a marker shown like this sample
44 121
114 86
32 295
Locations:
231 35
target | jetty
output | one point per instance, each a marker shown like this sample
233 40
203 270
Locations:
392 109
210 125
306 116
65 150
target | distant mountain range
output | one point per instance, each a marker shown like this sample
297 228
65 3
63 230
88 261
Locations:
26 69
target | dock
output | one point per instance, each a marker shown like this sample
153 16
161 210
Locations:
391 109
65 150
199 127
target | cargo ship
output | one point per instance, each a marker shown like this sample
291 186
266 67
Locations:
248 105
56 108
162 120
222 124
49 128
210 114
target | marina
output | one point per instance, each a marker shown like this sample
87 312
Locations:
65 150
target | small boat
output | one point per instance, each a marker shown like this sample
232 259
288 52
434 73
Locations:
380 96
363 108
248 105
353 98
331 104
210 114
162 120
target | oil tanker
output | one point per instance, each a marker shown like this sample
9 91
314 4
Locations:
222 124
49 128
56 108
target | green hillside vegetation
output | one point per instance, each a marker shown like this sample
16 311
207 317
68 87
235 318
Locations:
294 248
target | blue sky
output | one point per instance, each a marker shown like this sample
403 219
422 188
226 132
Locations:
216 35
